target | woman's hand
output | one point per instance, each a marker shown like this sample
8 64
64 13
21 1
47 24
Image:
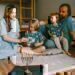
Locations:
24 39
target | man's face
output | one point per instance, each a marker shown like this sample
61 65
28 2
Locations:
63 11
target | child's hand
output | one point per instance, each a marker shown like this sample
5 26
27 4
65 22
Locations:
54 36
24 40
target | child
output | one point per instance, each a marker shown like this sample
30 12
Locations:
35 38
55 32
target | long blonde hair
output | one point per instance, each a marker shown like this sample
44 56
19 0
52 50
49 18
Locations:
7 12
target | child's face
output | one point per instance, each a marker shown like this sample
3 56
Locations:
53 19
32 28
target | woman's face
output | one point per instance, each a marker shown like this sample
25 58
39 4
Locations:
12 13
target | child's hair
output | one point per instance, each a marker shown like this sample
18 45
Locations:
55 14
35 22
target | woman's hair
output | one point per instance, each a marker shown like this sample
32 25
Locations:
68 7
8 10
55 14
35 22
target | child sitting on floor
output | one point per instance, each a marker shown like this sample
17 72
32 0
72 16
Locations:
35 38
56 33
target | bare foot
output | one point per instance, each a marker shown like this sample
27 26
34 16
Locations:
30 52
66 52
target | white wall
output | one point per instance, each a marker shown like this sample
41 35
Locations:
45 7
2 7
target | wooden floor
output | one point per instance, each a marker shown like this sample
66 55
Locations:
5 67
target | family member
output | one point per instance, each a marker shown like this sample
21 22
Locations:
35 38
55 31
9 34
67 21
68 26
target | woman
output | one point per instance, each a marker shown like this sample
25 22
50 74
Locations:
9 34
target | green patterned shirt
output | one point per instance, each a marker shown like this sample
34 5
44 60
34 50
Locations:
33 38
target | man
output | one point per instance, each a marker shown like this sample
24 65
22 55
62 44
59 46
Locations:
67 22
68 26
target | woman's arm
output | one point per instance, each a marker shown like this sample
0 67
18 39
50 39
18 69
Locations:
9 39
18 35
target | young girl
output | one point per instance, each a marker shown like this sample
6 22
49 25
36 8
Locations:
56 33
35 38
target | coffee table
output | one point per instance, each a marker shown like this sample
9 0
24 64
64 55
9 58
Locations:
56 62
